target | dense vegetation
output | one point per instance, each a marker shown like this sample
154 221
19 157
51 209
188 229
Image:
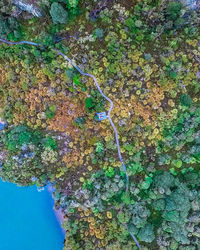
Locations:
145 56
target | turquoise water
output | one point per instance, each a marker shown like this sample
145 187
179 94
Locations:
27 219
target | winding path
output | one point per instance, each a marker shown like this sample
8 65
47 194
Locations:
102 94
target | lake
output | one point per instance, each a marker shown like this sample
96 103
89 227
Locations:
27 219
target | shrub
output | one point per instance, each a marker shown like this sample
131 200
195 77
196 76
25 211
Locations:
72 6
20 135
7 25
109 172
76 80
50 112
72 3
174 10
17 136
89 103
159 204
186 100
50 142
99 148
123 217
49 156
79 121
58 13
146 233
98 33
177 163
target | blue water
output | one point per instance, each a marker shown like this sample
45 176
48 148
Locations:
27 219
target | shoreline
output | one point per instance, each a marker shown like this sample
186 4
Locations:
58 212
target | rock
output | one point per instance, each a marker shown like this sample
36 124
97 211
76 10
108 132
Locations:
23 5
195 218
190 227
198 74
190 4
195 205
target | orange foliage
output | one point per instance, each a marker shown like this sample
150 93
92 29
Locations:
72 159
142 111
67 110
3 76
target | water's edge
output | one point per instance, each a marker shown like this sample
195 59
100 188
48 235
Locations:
28 218
58 212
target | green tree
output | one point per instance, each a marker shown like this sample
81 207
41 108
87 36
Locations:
58 13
